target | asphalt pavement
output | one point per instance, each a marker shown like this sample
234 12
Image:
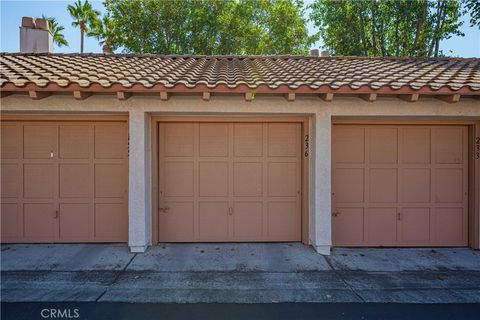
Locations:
281 311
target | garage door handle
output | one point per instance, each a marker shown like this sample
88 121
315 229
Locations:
164 209
230 211
336 213
56 214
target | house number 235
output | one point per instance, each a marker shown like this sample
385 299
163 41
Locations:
477 148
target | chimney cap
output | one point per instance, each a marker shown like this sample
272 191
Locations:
324 53
35 36
28 22
314 52
41 24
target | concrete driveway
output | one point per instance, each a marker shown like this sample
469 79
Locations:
237 273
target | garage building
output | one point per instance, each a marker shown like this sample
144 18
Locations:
327 151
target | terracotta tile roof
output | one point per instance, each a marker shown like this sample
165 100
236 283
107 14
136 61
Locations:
293 72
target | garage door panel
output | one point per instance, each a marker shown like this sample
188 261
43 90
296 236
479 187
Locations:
415 145
177 224
449 225
248 139
248 220
283 221
74 142
349 185
282 179
239 170
213 220
74 180
38 221
213 139
213 179
282 139
39 141
179 139
415 225
11 141
382 226
9 180
178 179
383 145
9 219
110 141
74 219
109 180
52 176
349 144
248 179
348 226
449 185
383 185
449 145
419 200
111 222
38 181
415 185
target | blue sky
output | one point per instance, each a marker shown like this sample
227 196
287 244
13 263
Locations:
12 12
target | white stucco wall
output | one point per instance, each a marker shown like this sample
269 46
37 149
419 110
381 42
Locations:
139 177
140 108
322 187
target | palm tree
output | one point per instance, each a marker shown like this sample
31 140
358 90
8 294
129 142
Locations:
56 31
104 31
84 16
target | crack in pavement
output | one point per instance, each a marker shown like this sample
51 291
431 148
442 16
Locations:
343 279
188 286
117 276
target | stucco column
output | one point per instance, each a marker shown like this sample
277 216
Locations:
139 192
321 235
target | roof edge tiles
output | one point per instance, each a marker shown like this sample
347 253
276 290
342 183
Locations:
281 74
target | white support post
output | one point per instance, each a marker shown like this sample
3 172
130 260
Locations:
321 233
139 194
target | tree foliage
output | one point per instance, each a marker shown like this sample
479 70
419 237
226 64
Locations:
386 27
84 17
210 26
56 30
104 30
474 7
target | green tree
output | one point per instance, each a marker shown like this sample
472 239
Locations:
104 31
56 30
386 27
473 7
209 26
84 17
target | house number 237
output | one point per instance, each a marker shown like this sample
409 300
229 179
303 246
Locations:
306 146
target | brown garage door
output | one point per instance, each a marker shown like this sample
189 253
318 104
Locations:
64 181
229 182
400 185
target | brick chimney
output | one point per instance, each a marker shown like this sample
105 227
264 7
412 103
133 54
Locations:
35 36
324 53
